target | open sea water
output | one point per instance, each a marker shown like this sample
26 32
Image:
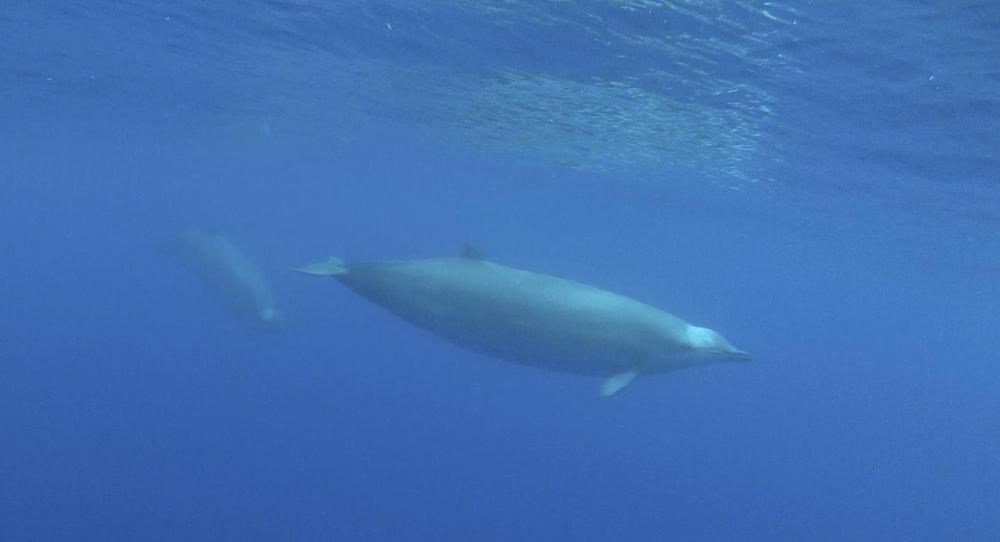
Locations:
818 180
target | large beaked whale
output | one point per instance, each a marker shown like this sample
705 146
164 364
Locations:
233 276
532 318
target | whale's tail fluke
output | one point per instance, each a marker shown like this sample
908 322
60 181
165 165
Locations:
330 267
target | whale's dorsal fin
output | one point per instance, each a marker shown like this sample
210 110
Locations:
469 251
614 383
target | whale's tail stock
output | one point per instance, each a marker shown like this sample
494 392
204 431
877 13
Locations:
329 267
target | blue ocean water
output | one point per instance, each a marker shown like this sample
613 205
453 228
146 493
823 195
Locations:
817 180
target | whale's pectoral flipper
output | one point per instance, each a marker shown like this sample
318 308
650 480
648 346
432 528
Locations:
614 383
327 268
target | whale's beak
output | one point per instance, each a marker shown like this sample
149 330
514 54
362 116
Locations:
739 355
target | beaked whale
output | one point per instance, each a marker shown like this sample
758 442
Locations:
532 318
233 276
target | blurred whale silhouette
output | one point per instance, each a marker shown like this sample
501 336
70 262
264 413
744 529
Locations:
232 276
532 318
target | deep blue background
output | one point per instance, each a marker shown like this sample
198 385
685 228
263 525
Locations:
863 277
